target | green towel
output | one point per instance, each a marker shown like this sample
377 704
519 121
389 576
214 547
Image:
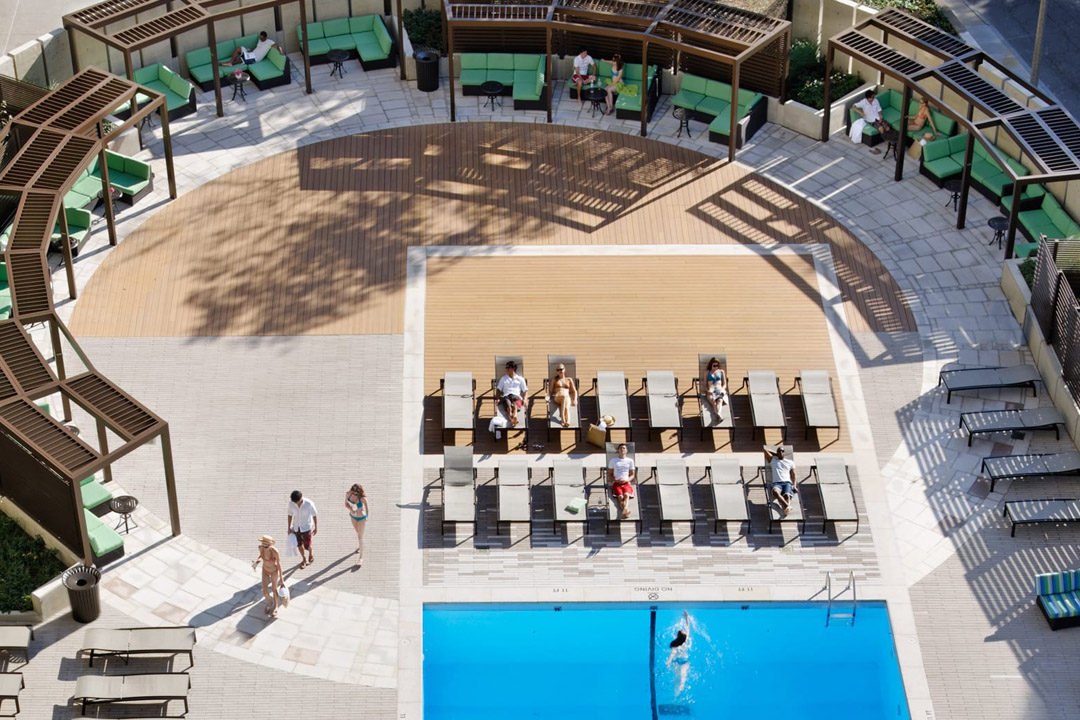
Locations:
624 89
575 506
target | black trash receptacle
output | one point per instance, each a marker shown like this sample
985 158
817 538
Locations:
84 594
427 71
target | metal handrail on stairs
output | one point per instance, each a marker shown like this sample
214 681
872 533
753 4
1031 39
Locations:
829 614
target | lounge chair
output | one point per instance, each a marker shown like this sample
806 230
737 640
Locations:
459 396
11 684
989 377
728 492
672 485
1056 596
523 413
512 482
553 416
610 388
766 408
141 687
991 421
665 406
776 511
834 489
16 639
1035 512
125 642
458 478
568 483
611 451
1012 467
819 405
709 419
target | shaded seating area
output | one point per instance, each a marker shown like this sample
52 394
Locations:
1016 467
995 421
522 76
710 101
627 103
95 496
1058 596
364 37
891 103
179 93
272 71
1054 511
1023 376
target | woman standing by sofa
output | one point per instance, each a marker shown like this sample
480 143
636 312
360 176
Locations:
357 503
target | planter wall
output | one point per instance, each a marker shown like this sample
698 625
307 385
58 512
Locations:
50 598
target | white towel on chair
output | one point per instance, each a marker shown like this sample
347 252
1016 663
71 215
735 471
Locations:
856 130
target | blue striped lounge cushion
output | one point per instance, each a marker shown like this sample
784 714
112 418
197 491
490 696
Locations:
1062 605
1053 583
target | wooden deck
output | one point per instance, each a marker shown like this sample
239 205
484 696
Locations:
313 241
634 314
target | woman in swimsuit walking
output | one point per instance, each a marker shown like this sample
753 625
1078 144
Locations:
563 392
357 503
271 573
680 654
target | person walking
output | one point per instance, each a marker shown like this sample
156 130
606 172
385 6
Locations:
304 524
271 573
357 503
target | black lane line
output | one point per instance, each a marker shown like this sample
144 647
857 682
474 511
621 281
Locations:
652 660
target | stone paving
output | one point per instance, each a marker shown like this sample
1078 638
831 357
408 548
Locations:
942 536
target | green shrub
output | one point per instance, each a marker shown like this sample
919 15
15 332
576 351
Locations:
25 565
1027 269
806 75
812 93
425 29
923 9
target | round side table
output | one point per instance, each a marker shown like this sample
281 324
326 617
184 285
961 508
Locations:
683 116
338 58
123 506
999 225
493 89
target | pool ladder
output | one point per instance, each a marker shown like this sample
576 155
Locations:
830 613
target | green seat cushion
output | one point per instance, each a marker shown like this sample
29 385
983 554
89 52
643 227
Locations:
94 494
103 539
341 42
369 47
472 61
982 169
361 24
473 77
525 85
266 69
75 199
712 105
995 184
506 77
89 185
197 58
891 115
628 101
318 47
201 73
722 122
942 167
336 27
1062 605
687 99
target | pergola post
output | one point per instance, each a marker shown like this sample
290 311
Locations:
548 80
80 523
166 139
74 51
103 441
965 182
400 39
65 250
130 70
645 82
110 214
830 55
214 64
170 481
733 112
61 372
450 64
899 152
1014 217
304 45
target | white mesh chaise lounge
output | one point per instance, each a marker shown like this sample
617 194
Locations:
834 489
766 407
136 688
1014 467
709 419
1056 511
1024 376
776 511
125 642
728 492
614 515
554 418
991 421
11 684
610 389
523 413
459 398
16 639
665 406
819 405
568 483
458 486
512 483
672 485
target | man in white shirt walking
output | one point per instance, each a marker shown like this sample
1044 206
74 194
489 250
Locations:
511 392
253 55
584 71
304 523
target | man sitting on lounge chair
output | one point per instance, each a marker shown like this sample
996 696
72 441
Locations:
621 472
511 392
250 56
783 477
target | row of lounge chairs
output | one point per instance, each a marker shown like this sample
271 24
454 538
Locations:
570 488
112 642
611 390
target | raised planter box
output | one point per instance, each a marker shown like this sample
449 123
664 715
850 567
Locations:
805 120
51 598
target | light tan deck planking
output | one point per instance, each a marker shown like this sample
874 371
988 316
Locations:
634 314
314 241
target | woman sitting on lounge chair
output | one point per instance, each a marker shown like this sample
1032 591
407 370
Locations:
715 386
563 393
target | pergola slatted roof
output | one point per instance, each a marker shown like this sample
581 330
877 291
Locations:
896 21
162 27
860 45
119 410
111 11
967 82
28 368
60 449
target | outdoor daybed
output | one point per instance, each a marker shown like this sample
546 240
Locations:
627 105
272 71
1058 596
522 76
891 102
710 101
179 93
364 37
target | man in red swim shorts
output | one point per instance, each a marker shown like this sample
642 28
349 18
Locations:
622 472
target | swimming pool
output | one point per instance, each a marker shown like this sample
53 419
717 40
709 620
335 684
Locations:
595 661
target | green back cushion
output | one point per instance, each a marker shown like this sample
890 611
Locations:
717 89
473 61
137 168
383 37
1016 167
114 161
890 98
500 61
958 144
604 69
179 86
631 71
315 31
746 97
364 23
225 50
693 83
982 152
197 58
276 58
935 150
3 271
338 26
248 41
147 74
945 125
523 61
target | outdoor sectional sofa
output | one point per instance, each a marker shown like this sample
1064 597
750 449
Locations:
522 76
272 71
1041 215
891 102
1058 596
627 105
710 102
364 37
79 223
105 543
95 496
179 93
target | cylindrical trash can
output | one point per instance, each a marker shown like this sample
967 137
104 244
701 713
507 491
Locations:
427 71
84 594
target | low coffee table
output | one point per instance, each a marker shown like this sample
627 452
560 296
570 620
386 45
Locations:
493 89
123 506
238 81
595 95
338 58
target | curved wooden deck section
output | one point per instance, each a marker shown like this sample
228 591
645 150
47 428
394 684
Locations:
314 241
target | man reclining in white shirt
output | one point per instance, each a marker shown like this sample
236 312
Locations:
250 56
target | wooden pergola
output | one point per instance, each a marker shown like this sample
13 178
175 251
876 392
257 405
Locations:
1043 130
48 144
706 36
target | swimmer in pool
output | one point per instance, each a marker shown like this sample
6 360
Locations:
680 654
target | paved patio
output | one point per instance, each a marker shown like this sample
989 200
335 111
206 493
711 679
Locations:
933 543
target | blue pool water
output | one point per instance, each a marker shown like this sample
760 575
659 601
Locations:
598 661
